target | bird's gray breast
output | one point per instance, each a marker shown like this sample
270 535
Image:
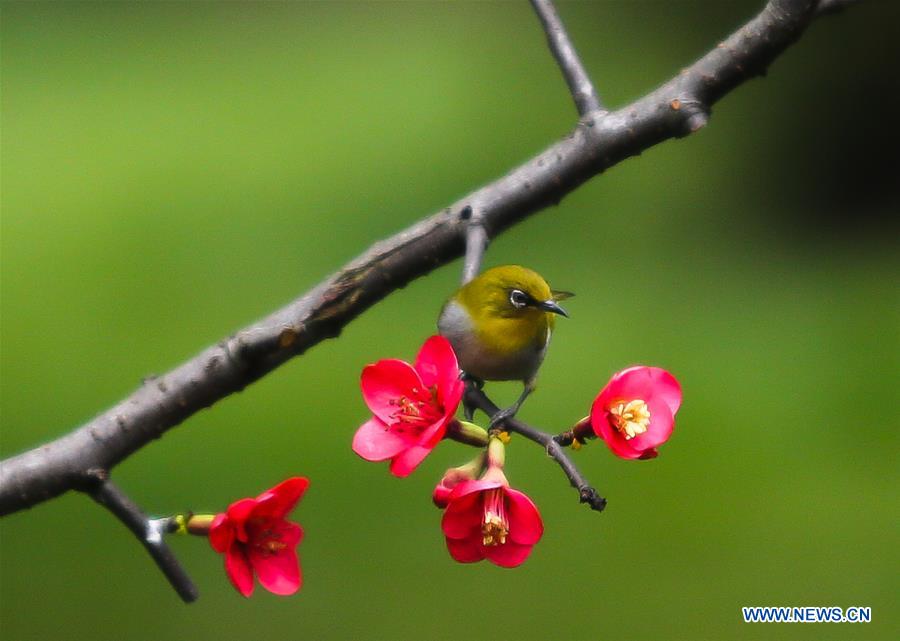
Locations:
455 325
479 360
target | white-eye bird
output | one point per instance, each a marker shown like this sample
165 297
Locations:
500 324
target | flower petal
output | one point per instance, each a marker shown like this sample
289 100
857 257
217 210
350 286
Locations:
386 381
644 383
660 428
374 441
433 434
436 362
525 525
468 487
451 396
667 388
221 533
508 555
437 365
610 435
465 550
452 477
237 566
408 460
441 495
281 499
291 533
238 513
278 573
462 517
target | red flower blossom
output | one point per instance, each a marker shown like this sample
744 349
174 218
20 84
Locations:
255 537
411 404
486 519
635 412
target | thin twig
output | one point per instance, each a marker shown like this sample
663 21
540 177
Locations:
580 85
826 7
476 243
675 109
565 438
586 492
148 532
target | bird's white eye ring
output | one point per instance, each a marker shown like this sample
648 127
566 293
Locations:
518 298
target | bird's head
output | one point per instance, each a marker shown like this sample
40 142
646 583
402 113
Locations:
512 291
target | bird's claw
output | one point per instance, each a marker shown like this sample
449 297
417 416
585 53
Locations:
475 381
502 416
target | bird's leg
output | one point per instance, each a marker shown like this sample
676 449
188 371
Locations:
469 410
511 411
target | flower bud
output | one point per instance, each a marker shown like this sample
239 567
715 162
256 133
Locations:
468 433
453 477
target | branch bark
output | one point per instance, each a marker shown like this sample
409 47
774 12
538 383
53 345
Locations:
599 141
832 6
476 243
580 85
148 532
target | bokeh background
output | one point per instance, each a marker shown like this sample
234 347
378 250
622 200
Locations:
171 172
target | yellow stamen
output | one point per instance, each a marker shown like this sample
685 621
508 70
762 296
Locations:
631 418
495 526
264 537
493 531
415 414
274 546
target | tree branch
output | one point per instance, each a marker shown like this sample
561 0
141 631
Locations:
598 142
586 493
826 7
148 532
580 85
476 243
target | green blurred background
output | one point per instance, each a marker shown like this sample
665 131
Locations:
171 172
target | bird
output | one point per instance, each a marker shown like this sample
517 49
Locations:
500 324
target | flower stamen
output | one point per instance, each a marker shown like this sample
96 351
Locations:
273 547
630 418
495 525
265 538
417 414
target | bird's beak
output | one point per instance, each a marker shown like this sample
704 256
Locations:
552 306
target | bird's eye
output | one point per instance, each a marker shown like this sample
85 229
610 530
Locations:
518 298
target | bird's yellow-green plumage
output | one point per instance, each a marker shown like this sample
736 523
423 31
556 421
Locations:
500 327
500 323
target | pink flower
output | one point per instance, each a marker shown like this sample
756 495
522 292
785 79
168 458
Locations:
255 537
486 519
411 404
635 412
